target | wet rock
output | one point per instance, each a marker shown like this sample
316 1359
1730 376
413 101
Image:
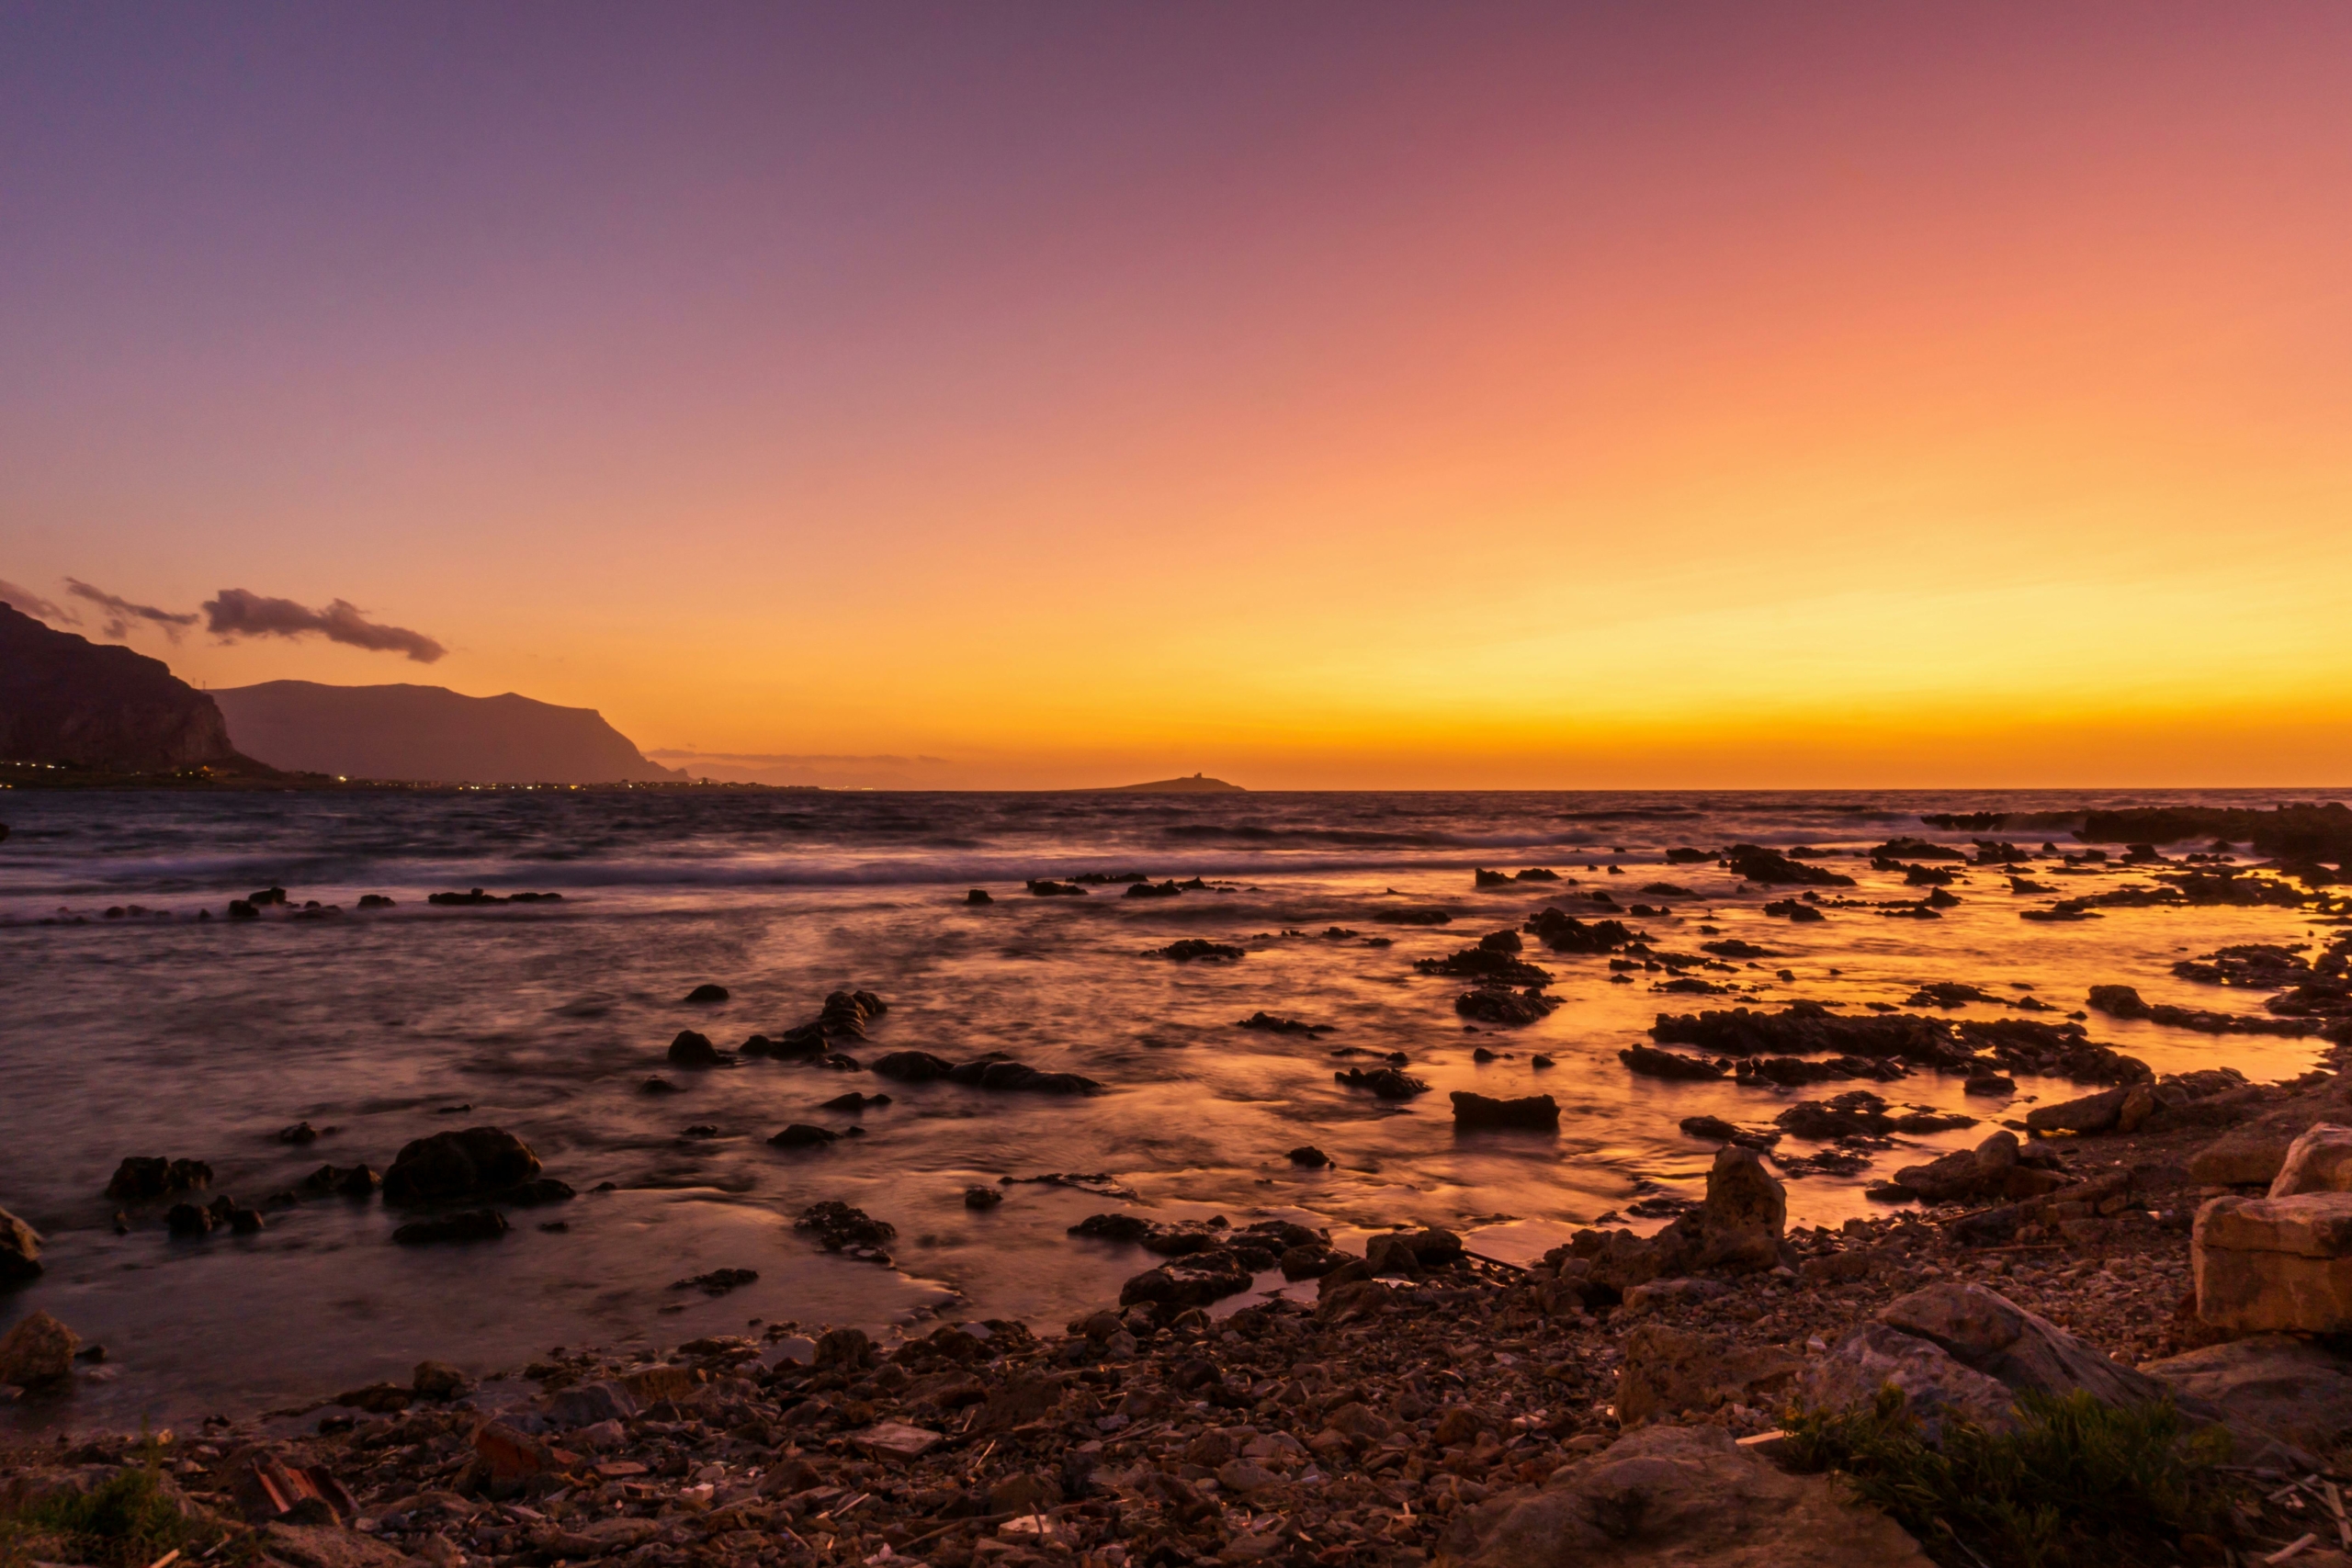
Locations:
1989 1171
1273 1024
1307 1155
438 1381
2124 1001
467 1224
1723 1132
1563 932
998 1073
188 1220
854 1101
982 1198
1387 1083
300 1133
38 1351
1412 917
2271 1265
1192 948
1486 964
1753 862
1506 1009
1195 1282
801 1136
345 1180
2092 1113
1651 1061
1988 1083
1806 1029
657 1084
708 992
977 896
838 1227
142 1177
693 1049
912 1067
477 1162
1534 1113
1048 888
19 1251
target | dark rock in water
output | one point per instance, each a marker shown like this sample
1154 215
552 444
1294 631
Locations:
19 1251
241 910
347 1181
1480 877
1491 1004
2053 1050
187 1219
839 1228
1791 910
1686 856
801 1040
709 992
800 1135
1988 1082
478 1162
1412 917
1153 890
1651 1061
1501 942
1194 1282
835 1062
692 1049
1755 863
2124 1001
1565 933
374 901
1049 890
1274 1025
913 1066
244 1221
982 1198
1537 874
1540 1062
1114 1227
1192 947
1387 1083
1723 1132
718 1281
467 1224
1948 994
143 1177
1534 1113
1307 1155
994 1071
854 1101
1486 964
657 1084
300 1133
1808 1028
979 895
539 1190
1915 849
1732 947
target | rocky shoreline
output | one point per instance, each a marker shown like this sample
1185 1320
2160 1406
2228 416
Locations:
1430 1405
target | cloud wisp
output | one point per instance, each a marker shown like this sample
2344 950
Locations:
237 612
120 614
18 596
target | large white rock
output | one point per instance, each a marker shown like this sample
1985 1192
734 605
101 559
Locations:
2272 1265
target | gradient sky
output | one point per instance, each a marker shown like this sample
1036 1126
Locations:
1316 395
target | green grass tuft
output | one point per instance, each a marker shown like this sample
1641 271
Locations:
127 1522
2079 1483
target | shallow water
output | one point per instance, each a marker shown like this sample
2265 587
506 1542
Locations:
158 1033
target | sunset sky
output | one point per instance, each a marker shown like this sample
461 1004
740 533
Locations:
1316 395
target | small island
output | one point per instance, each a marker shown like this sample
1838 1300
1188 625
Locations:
1198 784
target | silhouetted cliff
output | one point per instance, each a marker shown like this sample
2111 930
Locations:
430 734
66 699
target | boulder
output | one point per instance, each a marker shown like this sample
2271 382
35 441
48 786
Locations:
1991 1170
708 992
438 1380
326 1546
2318 1161
1534 1113
913 1066
1680 1494
1935 1384
2291 1389
38 1351
19 1251
1673 1371
2267 1265
2092 1113
478 1162
1738 1226
693 1049
1991 1334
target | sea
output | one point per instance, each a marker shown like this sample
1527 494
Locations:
139 1018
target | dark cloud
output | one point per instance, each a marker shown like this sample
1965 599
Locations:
237 612
121 615
24 599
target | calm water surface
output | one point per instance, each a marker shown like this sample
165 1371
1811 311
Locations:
162 1034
